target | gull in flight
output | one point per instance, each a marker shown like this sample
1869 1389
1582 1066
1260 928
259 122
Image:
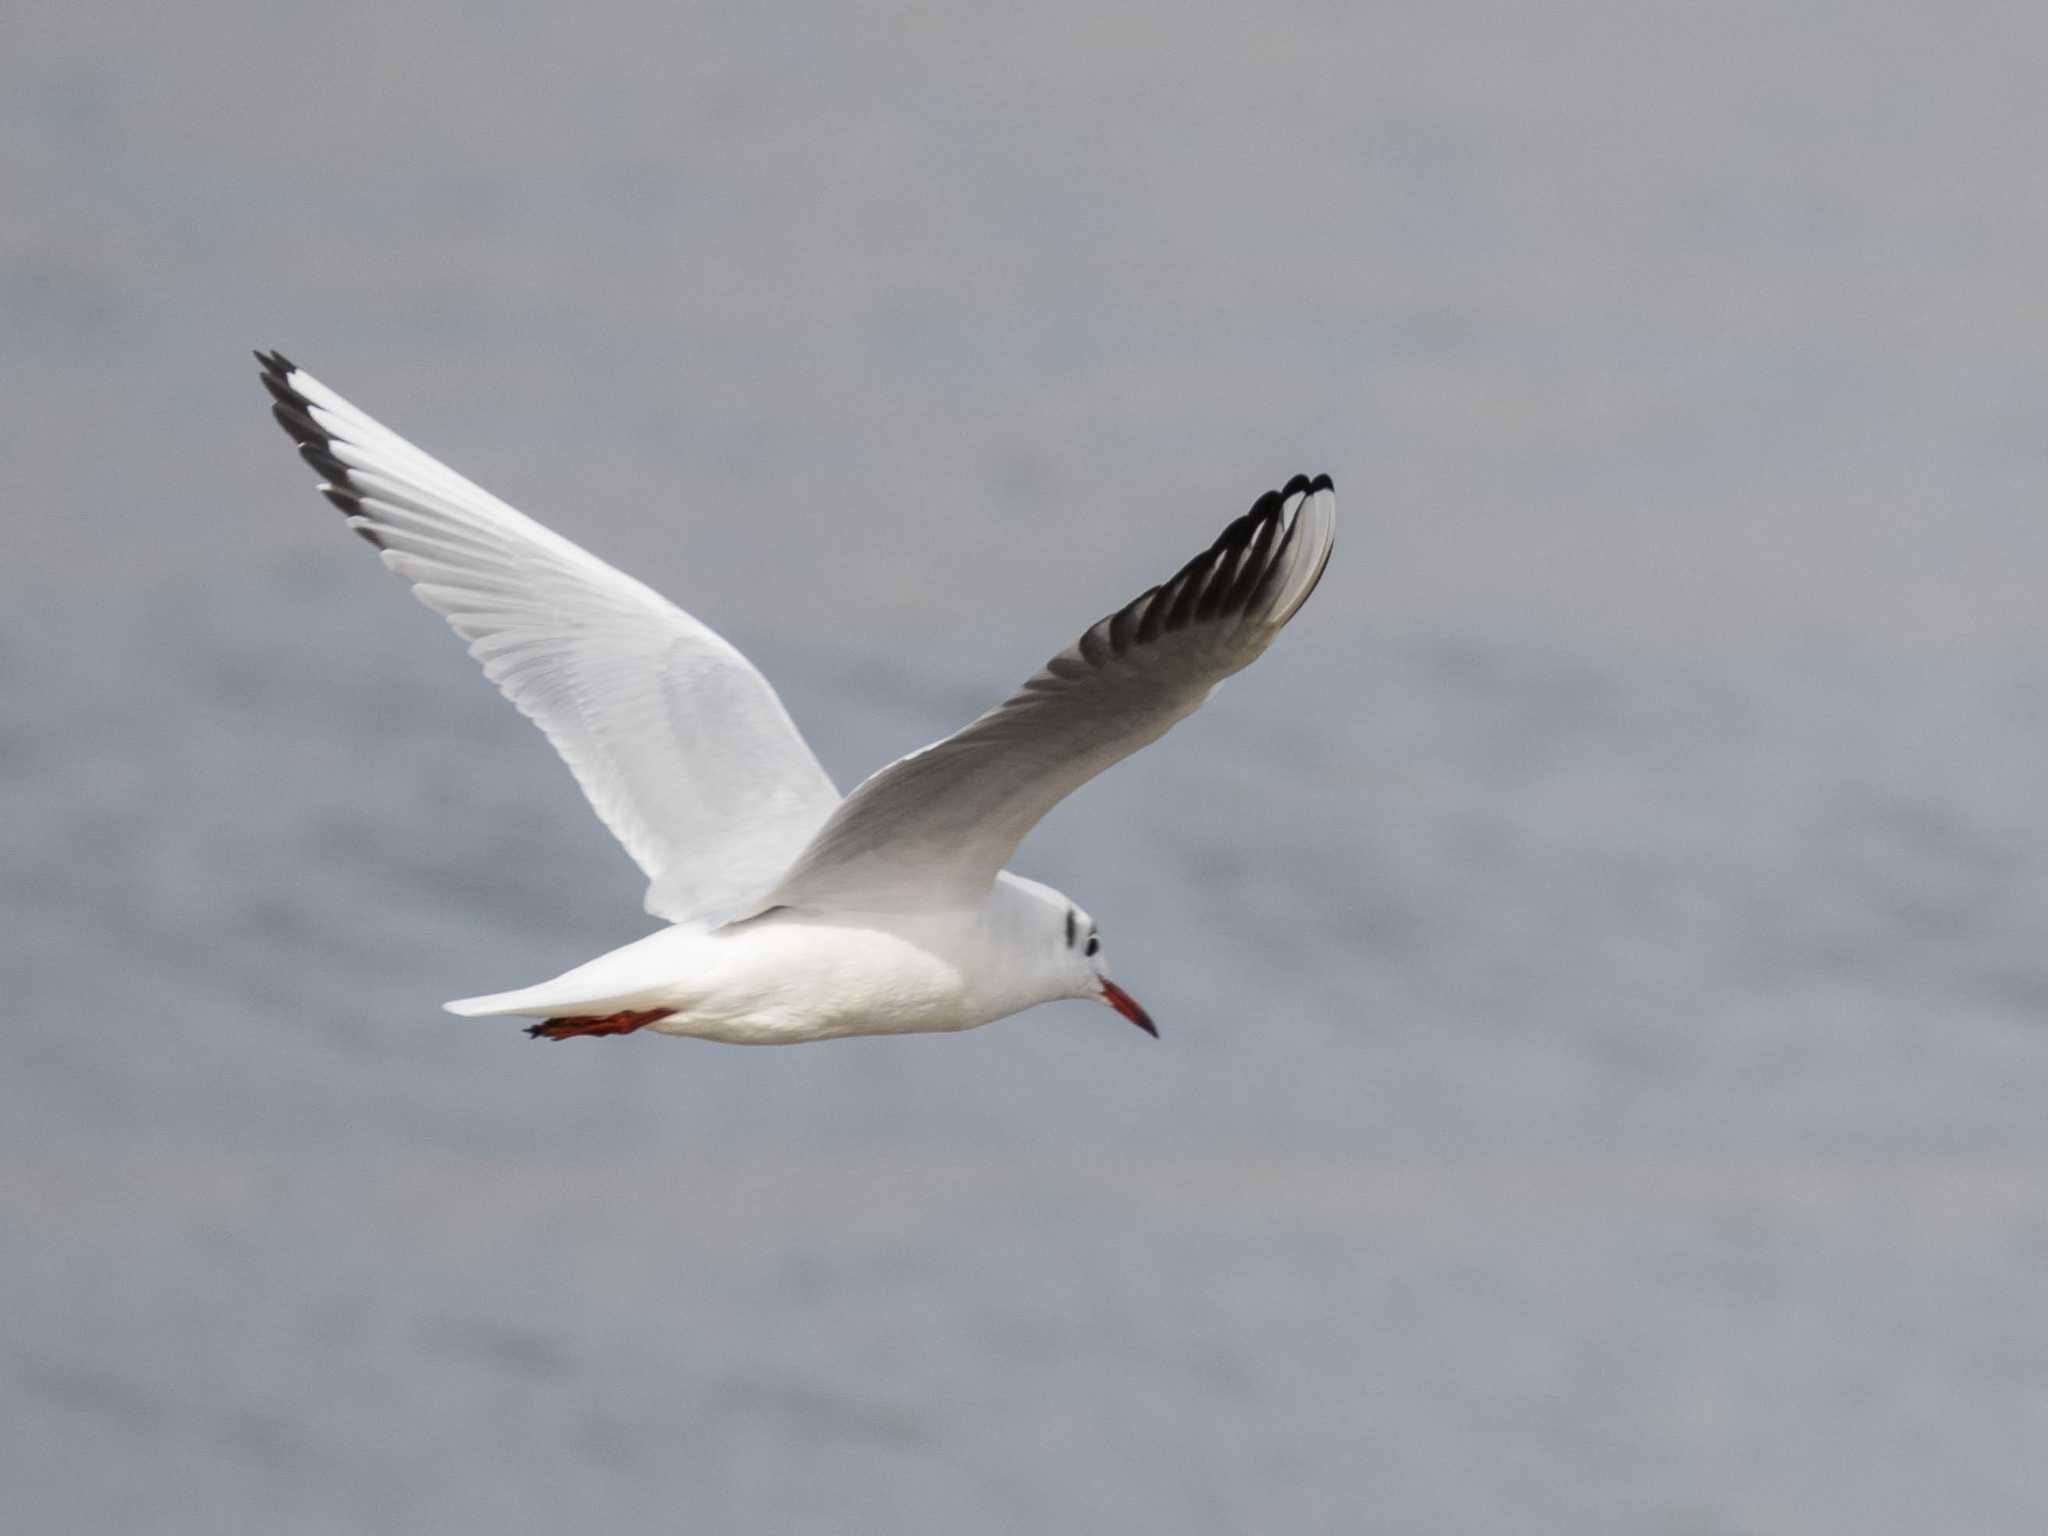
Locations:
793 914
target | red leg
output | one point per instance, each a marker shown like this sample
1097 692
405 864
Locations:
612 1024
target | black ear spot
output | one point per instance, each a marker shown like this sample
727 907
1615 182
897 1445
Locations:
1094 944
1070 927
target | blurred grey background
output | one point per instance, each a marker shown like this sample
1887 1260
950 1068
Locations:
1600 949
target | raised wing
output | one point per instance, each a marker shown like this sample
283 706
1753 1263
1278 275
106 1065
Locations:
937 826
683 748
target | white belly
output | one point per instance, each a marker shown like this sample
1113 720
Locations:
781 982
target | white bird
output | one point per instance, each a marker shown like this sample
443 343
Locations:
793 914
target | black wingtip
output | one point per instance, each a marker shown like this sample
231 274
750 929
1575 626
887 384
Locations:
345 501
294 412
1239 531
323 461
1307 484
282 392
297 424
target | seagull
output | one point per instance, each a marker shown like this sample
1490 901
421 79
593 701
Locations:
793 914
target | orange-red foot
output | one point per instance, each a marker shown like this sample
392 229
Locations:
612 1024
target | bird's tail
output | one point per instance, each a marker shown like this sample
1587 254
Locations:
530 1001
635 976
575 993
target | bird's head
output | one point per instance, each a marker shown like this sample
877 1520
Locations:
1065 947
1084 967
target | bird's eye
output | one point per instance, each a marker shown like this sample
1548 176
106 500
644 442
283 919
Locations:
1094 943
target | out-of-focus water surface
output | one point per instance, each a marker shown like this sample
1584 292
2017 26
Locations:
1600 950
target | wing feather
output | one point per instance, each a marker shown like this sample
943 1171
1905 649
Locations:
682 747
937 826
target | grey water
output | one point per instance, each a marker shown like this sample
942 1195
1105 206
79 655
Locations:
1598 951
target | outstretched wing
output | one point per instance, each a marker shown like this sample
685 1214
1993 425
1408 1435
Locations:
937 826
683 748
